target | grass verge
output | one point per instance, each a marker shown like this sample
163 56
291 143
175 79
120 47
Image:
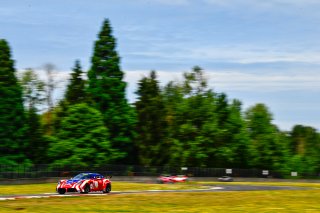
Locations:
116 186
250 201
293 184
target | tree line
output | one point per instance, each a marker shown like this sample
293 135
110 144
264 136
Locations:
184 123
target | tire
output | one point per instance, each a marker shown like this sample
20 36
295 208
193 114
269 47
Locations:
86 189
107 189
62 191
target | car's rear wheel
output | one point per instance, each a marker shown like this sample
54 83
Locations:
107 189
86 189
61 191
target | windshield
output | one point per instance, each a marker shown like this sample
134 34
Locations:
81 176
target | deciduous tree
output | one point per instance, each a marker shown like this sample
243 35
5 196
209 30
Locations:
33 89
82 139
34 97
265 139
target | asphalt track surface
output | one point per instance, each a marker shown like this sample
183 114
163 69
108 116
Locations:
217 188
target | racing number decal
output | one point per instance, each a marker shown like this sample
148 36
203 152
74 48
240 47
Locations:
96 184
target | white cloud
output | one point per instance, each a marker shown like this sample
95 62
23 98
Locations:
240 81
236 54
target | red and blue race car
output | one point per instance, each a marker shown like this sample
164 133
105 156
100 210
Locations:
172 178
85 183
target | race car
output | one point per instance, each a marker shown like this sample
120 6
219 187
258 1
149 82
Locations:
172 178
85 183
225 179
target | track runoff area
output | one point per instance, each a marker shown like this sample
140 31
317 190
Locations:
209 189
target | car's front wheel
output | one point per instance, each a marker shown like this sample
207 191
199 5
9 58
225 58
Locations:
107 189
86 189
61 191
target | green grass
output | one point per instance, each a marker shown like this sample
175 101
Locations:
254 201
293 184
116 186
27 189
125 186
245 201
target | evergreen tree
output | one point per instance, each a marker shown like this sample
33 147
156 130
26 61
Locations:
107 92
11 110
76 88
151 125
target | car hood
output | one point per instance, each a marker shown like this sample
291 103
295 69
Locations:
70 182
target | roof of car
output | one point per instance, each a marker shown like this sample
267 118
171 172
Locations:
91 174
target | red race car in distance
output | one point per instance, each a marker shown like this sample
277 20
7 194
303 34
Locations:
172 178
85 183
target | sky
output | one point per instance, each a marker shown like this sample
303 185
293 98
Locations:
252 50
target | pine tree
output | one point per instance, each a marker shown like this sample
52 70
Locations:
151 126
107 92
11 110
76 88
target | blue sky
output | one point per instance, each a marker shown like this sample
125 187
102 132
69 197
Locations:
252 50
